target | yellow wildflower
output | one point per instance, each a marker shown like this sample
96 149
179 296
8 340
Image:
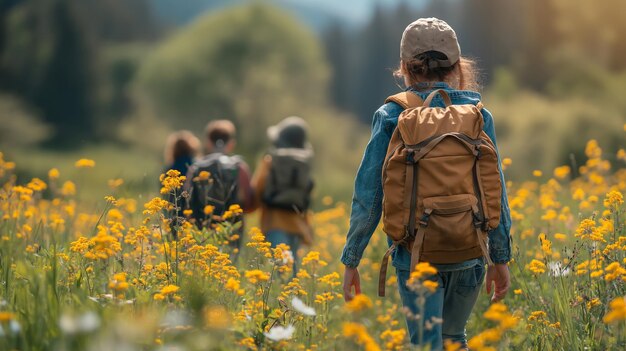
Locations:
506 162
394 339
422 270
578 195
53 174
155 205
593 302
537 316
613 199
118 283
359 333
217 317
204 175
562 172
115 183
37 184
171 181
169 289
617 311
546 245
6 316
232 284
255 276
68 188
331 279
592 150
359 303
208 209
536 267
85 163
247 343
313 257
549 215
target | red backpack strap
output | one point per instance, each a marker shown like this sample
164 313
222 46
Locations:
406 99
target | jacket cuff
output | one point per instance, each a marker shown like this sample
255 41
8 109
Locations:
350 259
500 256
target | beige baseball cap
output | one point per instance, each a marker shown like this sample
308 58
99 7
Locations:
430 34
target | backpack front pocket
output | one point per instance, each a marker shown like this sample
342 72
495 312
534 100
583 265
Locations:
449 227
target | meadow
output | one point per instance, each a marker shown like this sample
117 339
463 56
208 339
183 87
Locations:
115 276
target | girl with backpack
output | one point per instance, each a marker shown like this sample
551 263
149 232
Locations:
283 186
434 72
181 150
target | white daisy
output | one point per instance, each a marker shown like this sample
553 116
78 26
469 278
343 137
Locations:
279 333
557 269
299 306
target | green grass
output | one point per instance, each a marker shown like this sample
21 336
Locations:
139 168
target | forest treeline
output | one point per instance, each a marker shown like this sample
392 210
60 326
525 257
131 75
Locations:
74 72
556 47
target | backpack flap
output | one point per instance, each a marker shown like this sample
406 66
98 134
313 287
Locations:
418 124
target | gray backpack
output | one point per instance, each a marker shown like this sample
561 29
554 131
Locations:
222 188
289 182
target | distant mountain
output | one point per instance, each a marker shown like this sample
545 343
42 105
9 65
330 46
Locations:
318 14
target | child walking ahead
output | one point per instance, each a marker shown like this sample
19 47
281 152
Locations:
283 186
434 173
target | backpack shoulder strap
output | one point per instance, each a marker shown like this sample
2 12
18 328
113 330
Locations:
406 99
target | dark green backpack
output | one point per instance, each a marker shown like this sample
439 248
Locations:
221 189
289 182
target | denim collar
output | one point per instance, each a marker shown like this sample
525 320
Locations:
429 86
426 87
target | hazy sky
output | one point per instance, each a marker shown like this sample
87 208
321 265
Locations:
355 10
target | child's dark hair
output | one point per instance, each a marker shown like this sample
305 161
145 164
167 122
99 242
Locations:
427 67
220 132
218 136
180 144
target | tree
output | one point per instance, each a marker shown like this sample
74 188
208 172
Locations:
51 62
363 60
66 92
5 9
119 20
253 64
338 51
490 31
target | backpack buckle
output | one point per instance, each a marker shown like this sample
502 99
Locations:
424 219
478 152
485 224
410 156
479 222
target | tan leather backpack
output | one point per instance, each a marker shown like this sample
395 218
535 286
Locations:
441 183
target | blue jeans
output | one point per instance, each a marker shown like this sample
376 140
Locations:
277 236
453 302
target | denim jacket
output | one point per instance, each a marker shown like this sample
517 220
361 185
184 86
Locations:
368 190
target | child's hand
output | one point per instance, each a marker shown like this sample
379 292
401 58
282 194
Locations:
498 275
351 278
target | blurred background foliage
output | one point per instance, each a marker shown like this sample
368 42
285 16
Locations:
112 77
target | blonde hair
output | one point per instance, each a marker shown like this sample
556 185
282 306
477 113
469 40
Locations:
180 143
463 75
